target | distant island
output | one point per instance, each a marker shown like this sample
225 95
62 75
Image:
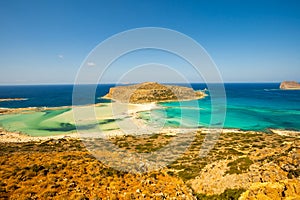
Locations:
12 99
148 92
290 85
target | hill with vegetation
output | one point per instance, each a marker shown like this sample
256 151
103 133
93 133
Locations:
152 92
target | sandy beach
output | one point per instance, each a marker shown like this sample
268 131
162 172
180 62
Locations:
130 123
17 137
102 112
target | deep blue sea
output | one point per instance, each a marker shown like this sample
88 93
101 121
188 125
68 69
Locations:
250 106
45 95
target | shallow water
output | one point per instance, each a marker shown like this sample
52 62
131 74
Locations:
40 123
101 118
54 122
249 107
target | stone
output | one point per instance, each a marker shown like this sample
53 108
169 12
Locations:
273 190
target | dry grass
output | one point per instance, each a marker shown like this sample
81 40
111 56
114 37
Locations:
64 169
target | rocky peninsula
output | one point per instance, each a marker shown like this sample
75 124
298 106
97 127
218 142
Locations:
149 92
290 85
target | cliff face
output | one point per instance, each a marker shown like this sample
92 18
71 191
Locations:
152 92
290 85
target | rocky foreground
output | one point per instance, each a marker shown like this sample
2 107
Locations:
242 165
152 92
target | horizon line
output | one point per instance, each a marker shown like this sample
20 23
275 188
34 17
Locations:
108 83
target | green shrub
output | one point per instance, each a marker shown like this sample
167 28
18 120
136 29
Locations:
232 194
239 166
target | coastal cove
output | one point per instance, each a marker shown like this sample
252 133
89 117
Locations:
250 107
150 100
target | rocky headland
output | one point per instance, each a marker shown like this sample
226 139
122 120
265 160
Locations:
152 92
290 85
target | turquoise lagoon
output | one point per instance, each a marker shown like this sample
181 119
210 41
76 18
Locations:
249 106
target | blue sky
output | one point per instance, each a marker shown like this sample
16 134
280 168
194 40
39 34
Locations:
250 41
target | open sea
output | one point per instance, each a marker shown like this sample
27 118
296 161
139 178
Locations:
250 106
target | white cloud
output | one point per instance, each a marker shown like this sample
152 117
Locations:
61 56
91 64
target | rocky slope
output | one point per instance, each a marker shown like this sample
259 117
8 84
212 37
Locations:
152 92
290 85
63 169
241 165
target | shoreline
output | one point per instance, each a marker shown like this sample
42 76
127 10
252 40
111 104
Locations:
18 137
235 164
162 101
139 127
130 110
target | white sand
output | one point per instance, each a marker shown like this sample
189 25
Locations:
129 124
100 112
286 133
8 137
